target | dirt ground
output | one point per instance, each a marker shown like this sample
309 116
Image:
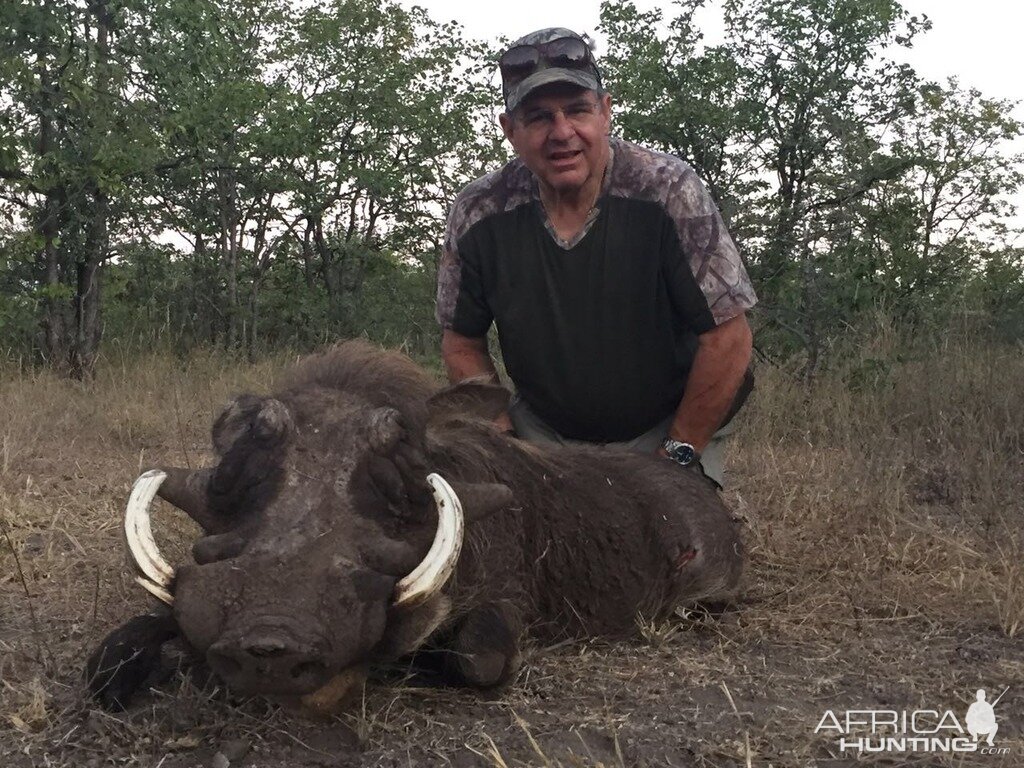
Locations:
882 516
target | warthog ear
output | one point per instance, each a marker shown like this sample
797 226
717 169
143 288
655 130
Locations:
473 397
264 418
187 490
479 500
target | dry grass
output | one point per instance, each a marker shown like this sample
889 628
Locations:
883 522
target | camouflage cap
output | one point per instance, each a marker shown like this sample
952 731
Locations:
588 77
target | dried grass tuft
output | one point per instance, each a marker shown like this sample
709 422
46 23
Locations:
28 711
1007 586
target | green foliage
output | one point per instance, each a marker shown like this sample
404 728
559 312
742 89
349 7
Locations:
17 296
997 290
285 149
155 296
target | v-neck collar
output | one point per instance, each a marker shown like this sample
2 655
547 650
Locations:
592 215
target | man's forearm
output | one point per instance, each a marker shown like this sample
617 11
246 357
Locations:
466 357
718 367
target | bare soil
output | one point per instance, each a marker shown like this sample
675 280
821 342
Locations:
883 524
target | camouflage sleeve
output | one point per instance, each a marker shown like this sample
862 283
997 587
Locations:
708 250
461 306
448 274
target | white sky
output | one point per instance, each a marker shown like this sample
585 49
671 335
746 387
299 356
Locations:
977 41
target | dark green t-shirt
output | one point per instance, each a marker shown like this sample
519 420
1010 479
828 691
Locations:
598 335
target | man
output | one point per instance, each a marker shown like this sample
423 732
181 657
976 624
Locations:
981 719
618 295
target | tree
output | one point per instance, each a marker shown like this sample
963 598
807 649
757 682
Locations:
248 133
677 95
848 181
72 142
387 102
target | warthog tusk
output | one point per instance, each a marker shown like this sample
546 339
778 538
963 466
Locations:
155 574
430 575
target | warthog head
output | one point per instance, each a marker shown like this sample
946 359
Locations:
327 539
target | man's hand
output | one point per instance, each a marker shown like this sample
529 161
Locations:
466 357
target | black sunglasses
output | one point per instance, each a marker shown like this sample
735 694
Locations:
517 64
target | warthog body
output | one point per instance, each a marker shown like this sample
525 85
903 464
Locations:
318 509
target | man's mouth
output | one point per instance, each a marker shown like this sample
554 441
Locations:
565 157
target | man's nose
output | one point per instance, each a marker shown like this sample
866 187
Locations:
561 127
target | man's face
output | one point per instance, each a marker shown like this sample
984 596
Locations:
561 133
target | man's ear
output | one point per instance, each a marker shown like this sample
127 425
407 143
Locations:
606 106
505 121
478 397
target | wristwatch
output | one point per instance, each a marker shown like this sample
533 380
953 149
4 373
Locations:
681 453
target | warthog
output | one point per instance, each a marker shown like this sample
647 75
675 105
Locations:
362 513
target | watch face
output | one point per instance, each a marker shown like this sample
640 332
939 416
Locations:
683 453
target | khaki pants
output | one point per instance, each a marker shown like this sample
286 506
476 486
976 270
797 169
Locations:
530 427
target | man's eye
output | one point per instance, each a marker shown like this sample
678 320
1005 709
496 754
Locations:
538 118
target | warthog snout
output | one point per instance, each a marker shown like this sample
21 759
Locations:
268 659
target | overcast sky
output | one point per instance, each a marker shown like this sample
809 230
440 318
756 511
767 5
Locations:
977 41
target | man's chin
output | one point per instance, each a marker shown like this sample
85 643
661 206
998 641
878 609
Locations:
566 182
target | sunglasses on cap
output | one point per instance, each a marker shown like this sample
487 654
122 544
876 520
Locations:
518 63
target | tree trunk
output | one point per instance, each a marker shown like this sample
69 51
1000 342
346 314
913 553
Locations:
308 261
52 321
252 335
46 224
195 314
330 271
85 342
229 256
87 288
809 290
